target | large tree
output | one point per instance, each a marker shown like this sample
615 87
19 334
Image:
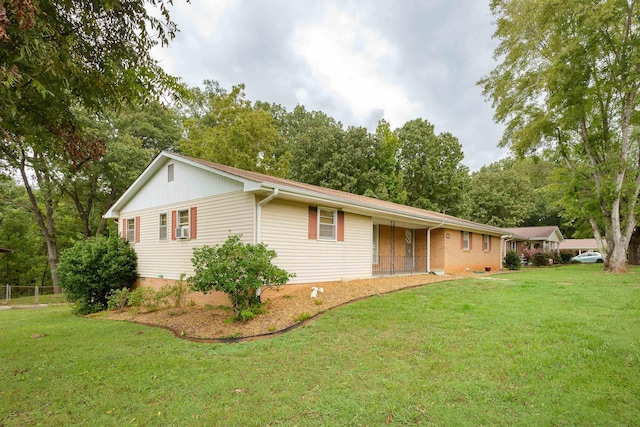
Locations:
568 79
58 57
224 127
432 169
501 195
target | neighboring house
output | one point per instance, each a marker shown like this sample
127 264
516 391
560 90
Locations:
578 246
534 239
179 203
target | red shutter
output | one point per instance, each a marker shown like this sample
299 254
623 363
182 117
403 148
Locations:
470 240
462 240
313 222
193 223
173 225
137 229
124 228
489 243
340 226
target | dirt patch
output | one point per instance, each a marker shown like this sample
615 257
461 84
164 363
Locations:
207 323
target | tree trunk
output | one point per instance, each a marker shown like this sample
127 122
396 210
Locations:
45 221
616 258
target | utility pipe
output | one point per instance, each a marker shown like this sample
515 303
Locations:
429 245
262 202
507 238
258 237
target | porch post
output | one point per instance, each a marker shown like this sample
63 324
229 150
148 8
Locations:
392 249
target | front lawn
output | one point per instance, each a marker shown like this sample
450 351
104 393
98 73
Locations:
551 346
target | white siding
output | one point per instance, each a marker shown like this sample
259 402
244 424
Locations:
217 218
189 183
285 229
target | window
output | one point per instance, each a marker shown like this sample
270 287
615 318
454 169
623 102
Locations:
327 219
513 245
170 173
486 242
183 218
131 230
375 242
183 223
466 240
162 228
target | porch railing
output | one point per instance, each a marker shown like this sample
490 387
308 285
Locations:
399 264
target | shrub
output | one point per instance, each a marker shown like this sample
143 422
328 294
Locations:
143 297
91 269
177 293
512 261
541 259
118 299
238 269
566 257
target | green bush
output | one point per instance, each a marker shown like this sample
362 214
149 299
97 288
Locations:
512 261
177 293
118 299
237 269
93 268
541 259
566 257
143 297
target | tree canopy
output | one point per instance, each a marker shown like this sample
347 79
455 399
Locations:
61 60
568 80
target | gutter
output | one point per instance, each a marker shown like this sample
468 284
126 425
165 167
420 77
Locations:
258 237
429 245
506 238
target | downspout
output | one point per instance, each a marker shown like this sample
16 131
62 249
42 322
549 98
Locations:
258 236
429 245
507 238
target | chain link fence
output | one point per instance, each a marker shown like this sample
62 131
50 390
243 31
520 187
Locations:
24 294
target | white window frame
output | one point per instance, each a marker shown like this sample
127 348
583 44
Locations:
486 242
171 169
333 225
375 244
513 245
466 240
179 223
130 231
164 227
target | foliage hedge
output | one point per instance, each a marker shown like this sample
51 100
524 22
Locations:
512 261
92 269
541 259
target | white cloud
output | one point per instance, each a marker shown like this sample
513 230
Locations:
351 61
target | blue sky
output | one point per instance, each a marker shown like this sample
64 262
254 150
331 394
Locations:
358 61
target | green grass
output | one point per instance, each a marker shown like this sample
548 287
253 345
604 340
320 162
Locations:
558 346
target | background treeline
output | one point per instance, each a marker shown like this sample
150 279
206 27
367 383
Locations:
411 164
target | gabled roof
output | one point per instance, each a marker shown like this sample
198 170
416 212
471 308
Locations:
536 233
254 181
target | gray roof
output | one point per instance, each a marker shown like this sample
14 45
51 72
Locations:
257 181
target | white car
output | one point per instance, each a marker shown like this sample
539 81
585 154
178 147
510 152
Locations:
589 257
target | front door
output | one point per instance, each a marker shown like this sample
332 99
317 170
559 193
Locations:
409 239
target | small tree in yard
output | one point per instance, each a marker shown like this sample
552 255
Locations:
239 270
91 269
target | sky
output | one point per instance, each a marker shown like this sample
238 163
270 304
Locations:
357 61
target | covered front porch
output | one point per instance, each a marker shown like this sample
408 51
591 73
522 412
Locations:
400 248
